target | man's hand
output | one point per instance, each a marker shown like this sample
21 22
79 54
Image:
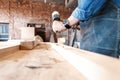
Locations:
76 27
58 26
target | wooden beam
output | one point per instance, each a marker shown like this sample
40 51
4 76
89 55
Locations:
93 66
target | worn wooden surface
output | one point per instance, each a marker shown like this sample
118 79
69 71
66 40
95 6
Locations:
93 66
42 63
58 62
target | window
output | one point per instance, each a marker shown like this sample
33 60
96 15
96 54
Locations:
4 31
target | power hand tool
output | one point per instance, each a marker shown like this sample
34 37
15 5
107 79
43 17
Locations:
56 17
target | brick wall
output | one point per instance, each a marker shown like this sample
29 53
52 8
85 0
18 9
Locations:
20 12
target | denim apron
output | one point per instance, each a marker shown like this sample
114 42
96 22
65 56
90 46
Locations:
101 33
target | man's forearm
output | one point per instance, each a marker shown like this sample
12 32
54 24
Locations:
73 21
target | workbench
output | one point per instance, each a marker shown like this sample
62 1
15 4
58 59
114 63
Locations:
50 61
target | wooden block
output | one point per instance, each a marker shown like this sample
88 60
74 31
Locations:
27 45
25 31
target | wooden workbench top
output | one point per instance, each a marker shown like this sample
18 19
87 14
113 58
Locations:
42 63
50 61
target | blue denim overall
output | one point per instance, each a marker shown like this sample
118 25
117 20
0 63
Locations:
101 34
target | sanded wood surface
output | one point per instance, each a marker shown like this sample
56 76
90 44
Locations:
93 66
42 63
49 61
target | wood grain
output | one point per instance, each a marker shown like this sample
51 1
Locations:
49 61
42 63
93 66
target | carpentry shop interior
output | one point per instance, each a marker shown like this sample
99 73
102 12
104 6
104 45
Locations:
59 39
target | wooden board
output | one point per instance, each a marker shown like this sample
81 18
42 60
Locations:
27 45
93 66
42 63
50 61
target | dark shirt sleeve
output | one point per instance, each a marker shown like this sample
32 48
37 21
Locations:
87 8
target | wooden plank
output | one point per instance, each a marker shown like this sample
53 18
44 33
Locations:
93 66
27 45
50 61
42 63
27 33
